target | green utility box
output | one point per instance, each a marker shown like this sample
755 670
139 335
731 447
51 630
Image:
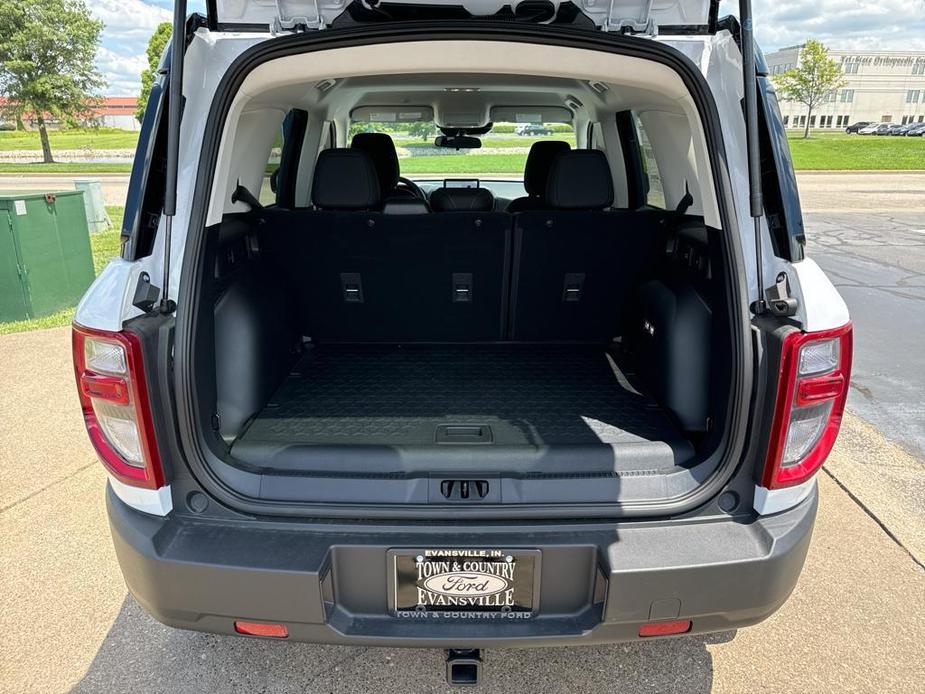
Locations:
45 259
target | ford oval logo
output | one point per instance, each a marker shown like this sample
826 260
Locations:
466 583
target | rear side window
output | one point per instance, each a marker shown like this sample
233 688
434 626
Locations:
655 195
279 180
270 184
145 197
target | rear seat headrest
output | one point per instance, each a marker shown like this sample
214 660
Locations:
539 164
381 150
462 200
580 180
345 179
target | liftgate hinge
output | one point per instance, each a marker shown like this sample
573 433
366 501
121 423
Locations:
779 300
619 18
297 24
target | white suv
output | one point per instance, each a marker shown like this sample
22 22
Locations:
339 404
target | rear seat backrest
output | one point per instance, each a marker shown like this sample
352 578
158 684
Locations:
365 276
575 264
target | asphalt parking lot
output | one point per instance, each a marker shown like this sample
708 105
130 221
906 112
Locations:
856 621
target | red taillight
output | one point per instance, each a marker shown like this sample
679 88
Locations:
679 626
114 398
273 631
812 388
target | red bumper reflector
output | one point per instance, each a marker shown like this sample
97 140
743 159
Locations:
273 631
680 626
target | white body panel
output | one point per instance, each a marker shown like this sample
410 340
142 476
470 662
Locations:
821 307
157 502
768 501
108 302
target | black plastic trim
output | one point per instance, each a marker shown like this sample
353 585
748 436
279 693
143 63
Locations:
192 421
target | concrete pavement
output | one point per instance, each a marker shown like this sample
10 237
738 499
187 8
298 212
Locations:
856 621
113 185
877 261
845 192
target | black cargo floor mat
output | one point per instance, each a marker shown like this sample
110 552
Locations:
477 397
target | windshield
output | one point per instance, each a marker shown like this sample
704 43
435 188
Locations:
497 165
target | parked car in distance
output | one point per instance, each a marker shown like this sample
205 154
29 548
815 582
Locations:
857 127
916 130
876 129
533 129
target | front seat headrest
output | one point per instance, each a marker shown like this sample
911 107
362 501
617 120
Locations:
539 164
462 200
345 179
580 180
381 150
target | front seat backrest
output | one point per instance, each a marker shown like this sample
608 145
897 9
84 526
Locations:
580 180
345 179
381 150
536 174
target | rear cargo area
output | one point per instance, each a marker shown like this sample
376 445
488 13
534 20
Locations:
524 408
560 338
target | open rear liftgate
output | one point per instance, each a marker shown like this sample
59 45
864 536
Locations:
425 579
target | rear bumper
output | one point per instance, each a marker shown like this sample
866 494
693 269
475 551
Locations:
597 583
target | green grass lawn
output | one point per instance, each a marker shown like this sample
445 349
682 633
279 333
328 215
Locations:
464 164
62 168
76 138
838 151
824 152
105 246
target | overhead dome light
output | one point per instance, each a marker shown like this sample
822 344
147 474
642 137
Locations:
460 89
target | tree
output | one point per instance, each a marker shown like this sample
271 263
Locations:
47 52
156 45
423 129
815 79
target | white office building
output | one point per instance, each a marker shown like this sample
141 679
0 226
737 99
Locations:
882 87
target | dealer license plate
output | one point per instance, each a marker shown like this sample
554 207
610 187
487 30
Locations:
470 582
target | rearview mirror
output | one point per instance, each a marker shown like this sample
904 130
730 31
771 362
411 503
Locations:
457 142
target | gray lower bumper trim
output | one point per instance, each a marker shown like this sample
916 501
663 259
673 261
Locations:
597 582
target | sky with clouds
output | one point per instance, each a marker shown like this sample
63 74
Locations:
854 24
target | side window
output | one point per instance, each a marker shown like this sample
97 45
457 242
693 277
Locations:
145 197
655 195
778 182
270 184
282 168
